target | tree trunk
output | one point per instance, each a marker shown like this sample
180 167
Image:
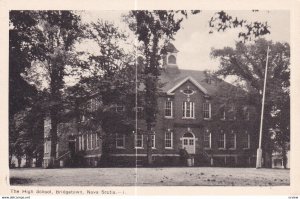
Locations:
284 157
149 147
53 134
10 161
19 162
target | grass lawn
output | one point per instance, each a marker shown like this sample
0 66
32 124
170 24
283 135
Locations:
179 176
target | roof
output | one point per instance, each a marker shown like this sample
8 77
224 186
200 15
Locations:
173 78
171 48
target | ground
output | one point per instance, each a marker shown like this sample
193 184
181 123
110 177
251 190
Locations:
183 176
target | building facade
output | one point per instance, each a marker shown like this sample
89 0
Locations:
193 114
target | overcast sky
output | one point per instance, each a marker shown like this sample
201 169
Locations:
194 41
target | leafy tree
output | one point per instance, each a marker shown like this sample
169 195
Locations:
247 62
222 21
153 29
21 93
54 34
106 76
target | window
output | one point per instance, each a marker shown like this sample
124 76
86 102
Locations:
223 113
82 118
168 140
97 141
93 104
231 140
88 147
185 142
207 139
247 115
232 113
246 140
79 143
169 109
171 59
221 140
46 147
138 141
120 109
120 141
139 110
188 109
153 141
82 142
206 110
91 141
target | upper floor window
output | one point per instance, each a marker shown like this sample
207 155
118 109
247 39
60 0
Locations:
246 114
221 140
119 108
245 140
222 113
169 109
93 104
171 59
138 140
231 140
168 140
232 113
139 111
188 109
206 110
120 141
207 139
153 141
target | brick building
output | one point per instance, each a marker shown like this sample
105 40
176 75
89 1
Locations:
193 115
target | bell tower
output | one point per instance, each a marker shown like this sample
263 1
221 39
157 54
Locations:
170 58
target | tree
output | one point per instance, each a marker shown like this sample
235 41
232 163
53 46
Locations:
21 53
153 29
106 76
247 62
54 35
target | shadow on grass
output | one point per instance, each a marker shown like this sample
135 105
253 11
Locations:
19 181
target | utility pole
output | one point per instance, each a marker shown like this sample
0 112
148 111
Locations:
259 150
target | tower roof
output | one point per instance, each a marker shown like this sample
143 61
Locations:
171 48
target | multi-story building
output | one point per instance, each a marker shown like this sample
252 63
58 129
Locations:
193 114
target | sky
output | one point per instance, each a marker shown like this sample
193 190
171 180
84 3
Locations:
194 41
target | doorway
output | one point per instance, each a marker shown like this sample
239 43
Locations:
188 143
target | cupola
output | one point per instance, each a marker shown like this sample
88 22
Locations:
170 58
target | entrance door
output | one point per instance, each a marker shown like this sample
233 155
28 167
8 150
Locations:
188 143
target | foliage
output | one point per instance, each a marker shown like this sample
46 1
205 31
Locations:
247 62
48 40
222 21
153 29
